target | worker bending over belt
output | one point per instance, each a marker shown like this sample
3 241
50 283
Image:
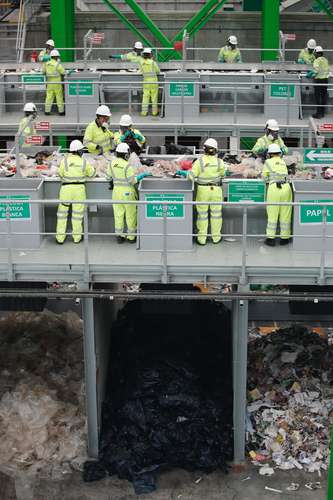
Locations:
27 124
129 135
98 139
123 179
271 137
150 70
306 56
320 74
230 53
54 72
133 56
207 172
44 54
275 172
73 171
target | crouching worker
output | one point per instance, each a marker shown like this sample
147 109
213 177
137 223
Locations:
73 171
275 172
207 172
123 180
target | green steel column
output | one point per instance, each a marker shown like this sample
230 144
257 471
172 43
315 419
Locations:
270 28
63 26
62 142
330 472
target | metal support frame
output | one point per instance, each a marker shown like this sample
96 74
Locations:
90 375
270 29
239 347
63 26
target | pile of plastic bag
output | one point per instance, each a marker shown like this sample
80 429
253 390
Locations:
170 395
42 414
290 400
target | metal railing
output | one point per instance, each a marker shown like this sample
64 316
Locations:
244 237
28 8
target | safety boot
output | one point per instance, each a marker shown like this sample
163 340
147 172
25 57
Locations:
284 241
270 242
120 240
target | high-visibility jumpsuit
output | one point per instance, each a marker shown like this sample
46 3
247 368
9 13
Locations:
54 70
321 71
73 171
124 180
44 56
149 70
208 171
276 173
262 144
27 127
95 135
229 55
306 57
134 138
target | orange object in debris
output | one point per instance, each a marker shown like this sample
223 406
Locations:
34 56
178 45
185 164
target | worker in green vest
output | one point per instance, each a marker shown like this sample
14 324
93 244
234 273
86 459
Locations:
27 124
320 74
230 53
127 133
98 138
275 172
207 172
307 56
45 54
150 70
73 172
134 56
54 72
124 178
271 137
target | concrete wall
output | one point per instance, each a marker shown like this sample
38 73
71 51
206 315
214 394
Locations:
245 25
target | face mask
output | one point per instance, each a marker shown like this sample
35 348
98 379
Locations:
105 125
270 137
126 156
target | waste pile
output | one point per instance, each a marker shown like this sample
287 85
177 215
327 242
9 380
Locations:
169 402
42 414
290 400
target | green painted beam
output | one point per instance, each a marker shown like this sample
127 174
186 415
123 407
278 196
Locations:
205 19
325 8
154 30
270 29
62 142
63 27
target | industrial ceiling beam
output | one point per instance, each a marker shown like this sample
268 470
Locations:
323 5
63 27
270 29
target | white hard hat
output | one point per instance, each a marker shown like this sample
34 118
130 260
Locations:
54 53
318 49
125 121
29 106
76 145
103 110
211 143
272 125
50 42
138 45
233 40
311 44
274 148
122 148
147 50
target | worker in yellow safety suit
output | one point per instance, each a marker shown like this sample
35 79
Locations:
307 56
123 179
230 53
150 70
98 139
271 137
320 74
27 124
73 171
134 56
275 172
54 72
44 54
129 135
207 172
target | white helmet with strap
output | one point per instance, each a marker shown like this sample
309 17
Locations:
272 125
274 148
30 106
125 121
122 148
76 145
103 110
211 143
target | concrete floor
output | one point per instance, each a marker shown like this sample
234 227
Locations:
174 485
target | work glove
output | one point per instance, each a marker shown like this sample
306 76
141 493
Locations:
310 74
115 56
125 135
182 173
300 61
111 184
227 173
283 150
46 58
143 175
138 137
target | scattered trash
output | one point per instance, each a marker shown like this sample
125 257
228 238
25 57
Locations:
197 481
246 478
313 486
266 471
293 487
273 489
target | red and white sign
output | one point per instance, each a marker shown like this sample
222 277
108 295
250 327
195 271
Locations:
290 36
97 38
34 139
43 126
325 127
